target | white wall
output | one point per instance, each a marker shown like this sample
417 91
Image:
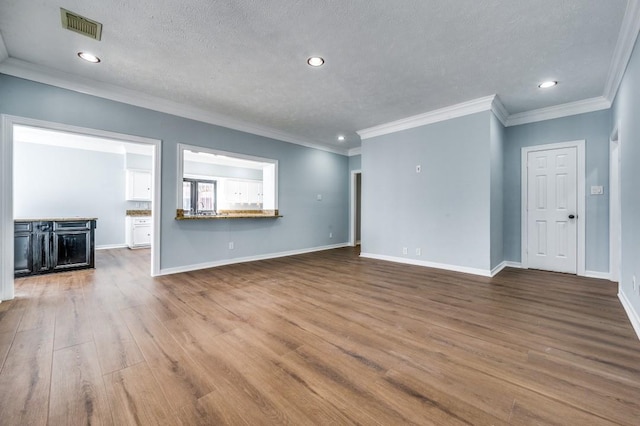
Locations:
51 181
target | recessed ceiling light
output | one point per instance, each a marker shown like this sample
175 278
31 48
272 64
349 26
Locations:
547 84
89 57
315 61
340 138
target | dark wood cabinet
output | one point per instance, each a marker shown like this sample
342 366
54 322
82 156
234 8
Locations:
42 247
23 248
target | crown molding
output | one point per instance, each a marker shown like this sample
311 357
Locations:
499 110
624 48
355 151
559 111
4 54
29 71
442 114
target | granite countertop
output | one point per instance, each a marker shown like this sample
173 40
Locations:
138 212
230 214
55 219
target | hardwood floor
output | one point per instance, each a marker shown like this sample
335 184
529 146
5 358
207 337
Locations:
322 338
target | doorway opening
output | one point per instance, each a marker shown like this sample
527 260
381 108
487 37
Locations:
56 170
355 208
553 207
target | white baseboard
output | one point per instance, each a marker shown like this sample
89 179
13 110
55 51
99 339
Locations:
214 264
455 268
510 264
634 316
596 274
111 246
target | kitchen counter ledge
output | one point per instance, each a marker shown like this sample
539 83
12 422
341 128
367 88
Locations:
245 214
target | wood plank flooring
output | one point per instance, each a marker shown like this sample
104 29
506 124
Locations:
322 338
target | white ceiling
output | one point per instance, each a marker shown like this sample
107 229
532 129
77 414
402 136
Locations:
385 60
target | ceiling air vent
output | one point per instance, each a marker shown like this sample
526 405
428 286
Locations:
80 24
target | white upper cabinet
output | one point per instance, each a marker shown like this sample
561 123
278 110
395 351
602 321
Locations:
242 191
138 185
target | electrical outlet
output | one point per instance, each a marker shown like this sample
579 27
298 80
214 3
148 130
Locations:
418 251
231 245
330 234
418 168
405 250
319 197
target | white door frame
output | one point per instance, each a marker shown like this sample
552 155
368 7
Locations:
615 208
352 206
581 182
6 190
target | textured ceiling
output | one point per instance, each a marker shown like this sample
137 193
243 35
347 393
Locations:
385 60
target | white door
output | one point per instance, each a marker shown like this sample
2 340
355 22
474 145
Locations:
552 205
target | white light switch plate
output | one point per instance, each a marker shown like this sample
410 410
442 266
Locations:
597 190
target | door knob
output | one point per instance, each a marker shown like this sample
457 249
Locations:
571 216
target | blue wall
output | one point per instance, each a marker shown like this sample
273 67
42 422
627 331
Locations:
355 162
445 209
626 112
303 173
594 128
497 191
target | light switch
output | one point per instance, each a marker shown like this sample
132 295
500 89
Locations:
418 168
597 190
319 197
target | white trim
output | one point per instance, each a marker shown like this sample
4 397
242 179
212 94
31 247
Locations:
633 315
6 196
624 48
111 246
215 264
499 110
6 210
455 268
597 274
559 111
442 114
505 264
495 271
581 202
29 71
4 54
355 151
352 206
615 207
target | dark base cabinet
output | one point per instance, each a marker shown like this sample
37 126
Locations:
42 247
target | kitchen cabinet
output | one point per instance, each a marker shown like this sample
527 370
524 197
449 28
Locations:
138 185
255 192
138 231
44 246
23 249
243 191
